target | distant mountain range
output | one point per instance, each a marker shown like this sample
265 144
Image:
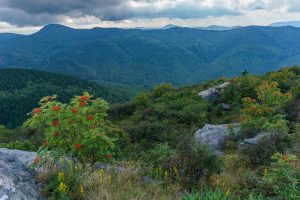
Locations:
291 23
144 58
211 28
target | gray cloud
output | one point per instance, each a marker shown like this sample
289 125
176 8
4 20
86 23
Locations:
258 5
40 12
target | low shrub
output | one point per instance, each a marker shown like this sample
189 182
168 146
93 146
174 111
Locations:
281 179
218 195
157 155
192 164
260 154
25 145
207 195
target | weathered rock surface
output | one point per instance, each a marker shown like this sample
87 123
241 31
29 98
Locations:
255 140
216 135
16 178
213 94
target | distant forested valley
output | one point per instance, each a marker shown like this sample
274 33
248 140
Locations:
21 90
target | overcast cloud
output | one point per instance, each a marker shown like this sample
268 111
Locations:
26 16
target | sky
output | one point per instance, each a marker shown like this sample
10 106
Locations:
28 16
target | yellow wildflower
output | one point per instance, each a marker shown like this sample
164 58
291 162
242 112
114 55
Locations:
81 190
62 187
166 174
227 193
175 170
108 180
101 173
61 176
266 172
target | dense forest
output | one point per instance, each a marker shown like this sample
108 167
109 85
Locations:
21 89
145 58
150 142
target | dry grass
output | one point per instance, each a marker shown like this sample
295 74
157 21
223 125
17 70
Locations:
125 185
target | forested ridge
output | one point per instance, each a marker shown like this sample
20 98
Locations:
21 89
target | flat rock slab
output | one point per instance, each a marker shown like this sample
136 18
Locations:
16 178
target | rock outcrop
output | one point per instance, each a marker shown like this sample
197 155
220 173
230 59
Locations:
16 179
213 94
255 140
216 135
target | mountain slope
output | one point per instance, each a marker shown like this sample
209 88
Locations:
148 57
21 89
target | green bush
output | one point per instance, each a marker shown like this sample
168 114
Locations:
207 195
267 112
282 178
20 138
157 155
79 129
193 163
24 145
260 154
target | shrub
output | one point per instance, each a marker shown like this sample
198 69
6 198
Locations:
266 114
142 99
283 177
20 138
24 145
118 111
163 92
192 164
260 154
157 155
240 88
78 129
207 195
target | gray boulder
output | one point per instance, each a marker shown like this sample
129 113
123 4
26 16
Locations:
16 179
213 94
216 135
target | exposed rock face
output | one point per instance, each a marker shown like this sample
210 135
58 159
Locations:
16 179
255 140
216 135
213 94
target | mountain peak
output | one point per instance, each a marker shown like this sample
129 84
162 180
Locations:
54 27
168 26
